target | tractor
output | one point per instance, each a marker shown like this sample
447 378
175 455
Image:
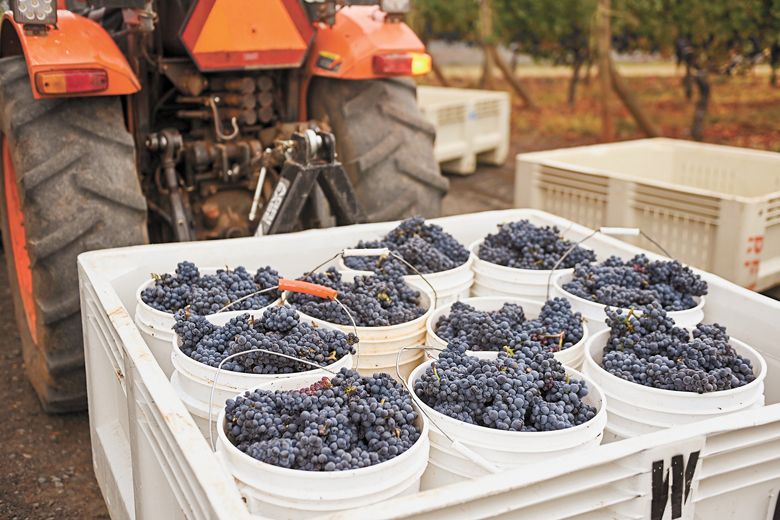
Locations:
129 121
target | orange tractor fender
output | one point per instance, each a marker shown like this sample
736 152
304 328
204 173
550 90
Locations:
347 49
75 44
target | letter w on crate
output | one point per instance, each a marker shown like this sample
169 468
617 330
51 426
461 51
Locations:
666 481
678 478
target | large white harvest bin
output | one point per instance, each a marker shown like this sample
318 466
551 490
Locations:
715 207
152 461
472 126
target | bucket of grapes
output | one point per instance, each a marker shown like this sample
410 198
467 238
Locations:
218 356
310 446
387 312
520 258
203 291
494 411
491 323
657 374
633 284
414 249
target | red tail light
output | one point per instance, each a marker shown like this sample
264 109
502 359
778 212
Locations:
71 81
402 64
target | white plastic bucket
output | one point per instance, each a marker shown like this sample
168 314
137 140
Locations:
503 449
391 345
193 380
389 333
379 346
158 339
450 285
156 326
597 317
571 356
296 494
407 362
502 280
489 287
635 409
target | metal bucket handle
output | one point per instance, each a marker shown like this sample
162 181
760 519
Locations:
473 456
609 231
382 252
287 286
344 253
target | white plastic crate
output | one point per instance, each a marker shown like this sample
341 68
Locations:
715 207
472 126
151 460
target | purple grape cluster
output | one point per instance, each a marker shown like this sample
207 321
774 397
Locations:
650 350
278 330
523 245
208 293
557 327
426 246
346 422
524 389
637 283
373 301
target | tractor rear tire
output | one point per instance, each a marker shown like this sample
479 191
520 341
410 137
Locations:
385 144
69 185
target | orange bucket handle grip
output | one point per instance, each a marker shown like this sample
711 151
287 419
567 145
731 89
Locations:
298 286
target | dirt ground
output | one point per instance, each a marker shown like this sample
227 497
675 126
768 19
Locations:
47 462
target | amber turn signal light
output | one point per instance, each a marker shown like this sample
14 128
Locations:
402 64
71 81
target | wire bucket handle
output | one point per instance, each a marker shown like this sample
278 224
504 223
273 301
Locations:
609 231
470 454
287 286
238 354
298 286
381 252
320 291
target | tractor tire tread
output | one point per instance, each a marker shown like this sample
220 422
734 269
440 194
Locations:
391 210
383 151
385 144
51 167
421 125
59 309
75 166
365 100
132 200
12 69
74 226
422 173
97 129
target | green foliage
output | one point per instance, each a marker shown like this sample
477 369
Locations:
710 35
446 19
558 30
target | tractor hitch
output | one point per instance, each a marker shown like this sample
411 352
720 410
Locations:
311 162
168 143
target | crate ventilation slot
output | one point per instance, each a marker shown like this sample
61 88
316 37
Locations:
451 115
